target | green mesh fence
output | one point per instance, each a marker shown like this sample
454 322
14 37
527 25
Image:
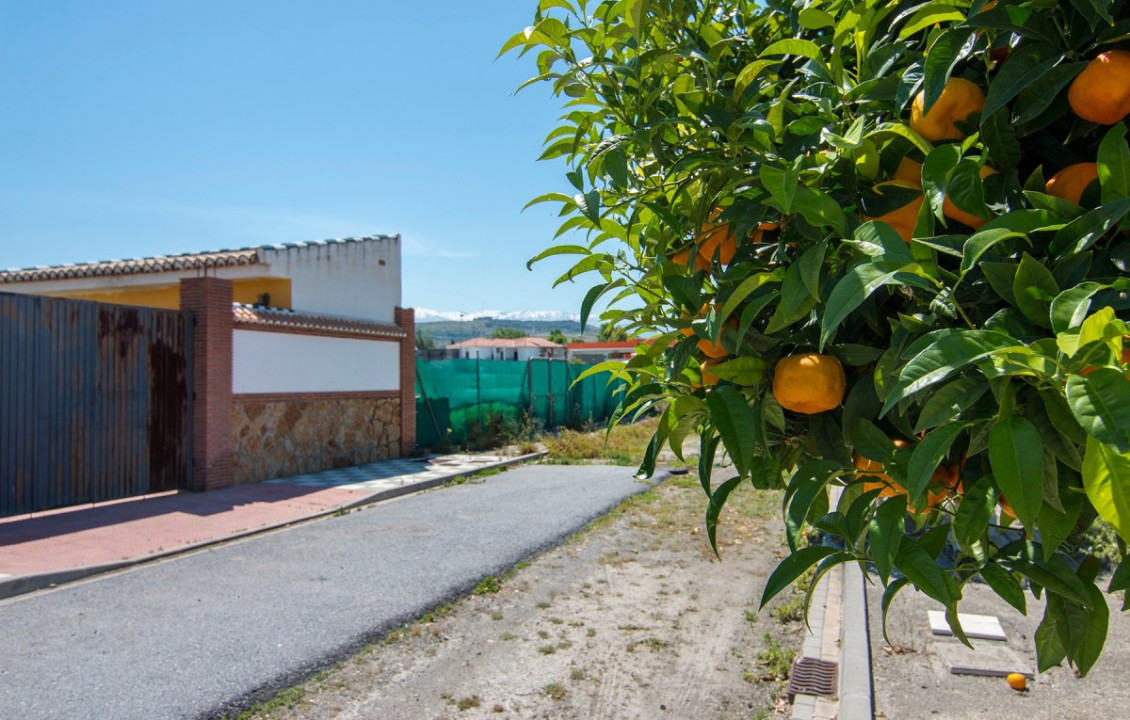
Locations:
455 399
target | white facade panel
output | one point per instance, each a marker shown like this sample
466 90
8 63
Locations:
268 362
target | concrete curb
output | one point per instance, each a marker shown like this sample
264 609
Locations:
23 584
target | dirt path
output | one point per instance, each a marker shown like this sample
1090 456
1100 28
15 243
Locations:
631 619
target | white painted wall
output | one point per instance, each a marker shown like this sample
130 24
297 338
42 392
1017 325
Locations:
353 279
502 353
267 362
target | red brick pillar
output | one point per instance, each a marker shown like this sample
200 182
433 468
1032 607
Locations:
406 319
210 301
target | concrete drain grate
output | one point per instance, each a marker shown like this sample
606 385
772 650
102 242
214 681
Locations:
812 676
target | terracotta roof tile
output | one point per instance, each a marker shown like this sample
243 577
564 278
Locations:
163 263
266 317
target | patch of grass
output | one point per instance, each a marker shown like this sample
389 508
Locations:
469 702
543 605
776 659
508 637
624 445
496 615
555 691
285 700
543 634
791 611
488 472
751 617
547 649
576 674
489 584
557 621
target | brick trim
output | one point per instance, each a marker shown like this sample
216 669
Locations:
406 319
315 396
209 302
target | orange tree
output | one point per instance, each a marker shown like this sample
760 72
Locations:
836 219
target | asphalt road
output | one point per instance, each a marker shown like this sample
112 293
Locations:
203 635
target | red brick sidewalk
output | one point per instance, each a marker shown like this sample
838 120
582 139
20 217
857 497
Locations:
141 527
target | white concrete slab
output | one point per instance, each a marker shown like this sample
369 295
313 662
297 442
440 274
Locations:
985 627
986 660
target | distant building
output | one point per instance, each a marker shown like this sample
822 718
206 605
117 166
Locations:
521 349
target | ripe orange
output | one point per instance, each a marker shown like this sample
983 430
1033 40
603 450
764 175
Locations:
904 218
953 212
715 238
809 383
1017 681
958 100
683 257
908 171
1101 93
1070 182
708 378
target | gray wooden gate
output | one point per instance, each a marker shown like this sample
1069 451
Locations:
94 402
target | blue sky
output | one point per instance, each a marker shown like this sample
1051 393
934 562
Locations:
138 128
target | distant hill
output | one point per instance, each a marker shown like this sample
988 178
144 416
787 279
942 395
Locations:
445 332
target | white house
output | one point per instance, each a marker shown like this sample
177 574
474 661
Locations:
521 349
304 359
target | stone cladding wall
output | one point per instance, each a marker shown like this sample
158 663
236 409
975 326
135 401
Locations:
281 435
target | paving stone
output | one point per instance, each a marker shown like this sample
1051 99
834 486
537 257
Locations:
985 627
987 660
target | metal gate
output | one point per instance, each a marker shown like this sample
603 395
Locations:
94 402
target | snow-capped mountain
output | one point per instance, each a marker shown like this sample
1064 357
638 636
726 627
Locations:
424 315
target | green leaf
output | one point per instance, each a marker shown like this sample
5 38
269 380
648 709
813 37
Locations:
1005 585
792 567
748 286
708 448
558 250
981 242
820 209
1025 65
1090 644
735 421
803 48
1051 636
714 508
1101 403
593 295
1017 458
797 297
951 46
949 401
1106 478
882 242
927 456
947 352
1083 232
1114 164
745 370
1054 575
973 514
1034 288
922 570
889 594
807 483
885 534
1056 526
781 184
1070 308
857 285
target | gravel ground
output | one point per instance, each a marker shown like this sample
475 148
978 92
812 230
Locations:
911 680
631 619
